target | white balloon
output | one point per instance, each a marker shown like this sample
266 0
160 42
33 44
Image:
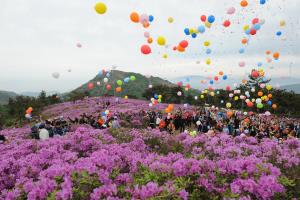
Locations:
150 86
105 80
55 75
179 93
98 83
198 123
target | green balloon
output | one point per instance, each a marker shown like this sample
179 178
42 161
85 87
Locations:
132 78
260 105
119 82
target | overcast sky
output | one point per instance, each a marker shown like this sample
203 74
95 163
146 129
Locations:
39 37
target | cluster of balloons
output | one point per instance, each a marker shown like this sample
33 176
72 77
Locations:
143 19
275 55
255 26
218 77
181 46
28 113
208 21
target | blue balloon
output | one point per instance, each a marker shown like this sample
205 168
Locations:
211 19
187 79
100 73
187 31
279 33
259 64
256 26
201 29
247 32
103 114
126 80
155 96
107 75
269 103
151 18
194 35
262 2
211 82
242 50
225 77
208 51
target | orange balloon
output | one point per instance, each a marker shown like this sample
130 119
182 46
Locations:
118 89
229 113
149 40
244 3
244 41
146 24
171 106
180 48
276 55
167 110
221 73
134 16
270 96
260 94
28 111
274 106
268 52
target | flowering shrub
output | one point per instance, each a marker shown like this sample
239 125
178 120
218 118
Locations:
145 164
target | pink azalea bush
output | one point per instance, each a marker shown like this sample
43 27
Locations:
146 164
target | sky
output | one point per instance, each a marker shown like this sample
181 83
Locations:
38 38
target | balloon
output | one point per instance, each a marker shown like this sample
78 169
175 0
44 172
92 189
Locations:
118 89
134 16
250 104
244 3
161 41
228 105
242 50
211 19
105 80
221 73
119 82
262 2
236 98
208 51
269 103
206 43
165 56
180 48
108 87
274 106
229 114
230 10
276 55
203 18
246 27
201 29
260 93
255 21
254 74
100 8
252 31
184 43
107 75
150 86
282 23
225 77
242 63
170 20
146 34
55 75
269 87
278 33
150 40
228 88
98 83
226 23
216 78
208 61
151 18
187 31
211 82
132 78
144 19
270 96
146 24
90 86
145 49
179 93
260 105
244 41
28 116
207 24
256 26
194 35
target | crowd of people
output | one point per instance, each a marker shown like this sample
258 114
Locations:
212 121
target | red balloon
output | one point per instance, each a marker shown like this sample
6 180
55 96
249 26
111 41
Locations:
145 49
174 48
203 18
255 21
254 74
188 86
108 87
90 86
179 83
184 44
216 78
228 88
226 23
253 31
249 104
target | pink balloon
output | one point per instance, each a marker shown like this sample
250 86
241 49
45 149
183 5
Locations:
230 10
147 34
144 18
242 64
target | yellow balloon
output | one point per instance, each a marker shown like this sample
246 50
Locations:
206 43
100 8
269 87
207 24
228 105
212 94
246 27
159 96
236 98
208 61
202 96
161 41
165 56
282 23
170 20
126 97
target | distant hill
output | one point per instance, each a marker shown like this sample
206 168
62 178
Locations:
133 89
294 87
5 95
